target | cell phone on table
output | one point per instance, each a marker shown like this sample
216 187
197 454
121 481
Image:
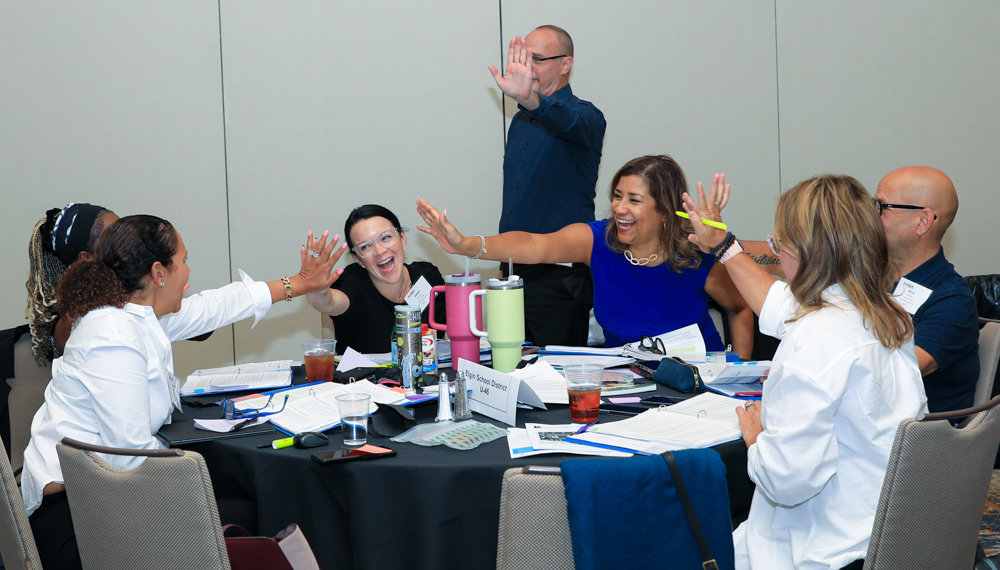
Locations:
352 454
621 410
645 368
661 401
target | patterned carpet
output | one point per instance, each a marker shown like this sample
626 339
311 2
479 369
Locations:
989 533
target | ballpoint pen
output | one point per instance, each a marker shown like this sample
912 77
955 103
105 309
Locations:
706 221
588 426
243 424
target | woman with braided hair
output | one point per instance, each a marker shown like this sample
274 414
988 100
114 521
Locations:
62 237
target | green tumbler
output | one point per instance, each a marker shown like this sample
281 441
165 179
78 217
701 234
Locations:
504 320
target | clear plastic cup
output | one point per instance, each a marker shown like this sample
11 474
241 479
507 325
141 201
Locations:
353 410
319 357
583 381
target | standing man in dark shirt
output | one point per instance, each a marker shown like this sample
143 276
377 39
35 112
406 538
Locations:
917 204
549 178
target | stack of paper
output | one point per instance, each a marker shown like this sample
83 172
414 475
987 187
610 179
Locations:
702 421
254 376
550 384
687 343
537 439
313 407
560 360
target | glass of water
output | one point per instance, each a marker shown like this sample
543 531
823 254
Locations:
353 410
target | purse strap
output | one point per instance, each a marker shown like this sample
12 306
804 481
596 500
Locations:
708 563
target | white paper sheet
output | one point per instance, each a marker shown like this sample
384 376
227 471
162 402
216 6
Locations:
352 359
546 381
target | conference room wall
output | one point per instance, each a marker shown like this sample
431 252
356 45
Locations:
121 103
117 103
333 105
866 87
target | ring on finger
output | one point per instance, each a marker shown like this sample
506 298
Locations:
748 405
718 203
313 253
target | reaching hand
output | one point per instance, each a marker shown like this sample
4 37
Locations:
450 239
318 259
516 80
709 207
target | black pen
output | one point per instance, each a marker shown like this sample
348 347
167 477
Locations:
243 424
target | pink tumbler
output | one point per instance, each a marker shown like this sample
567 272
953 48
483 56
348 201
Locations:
457 289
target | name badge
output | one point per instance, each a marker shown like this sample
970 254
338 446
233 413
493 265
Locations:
420 294
911 295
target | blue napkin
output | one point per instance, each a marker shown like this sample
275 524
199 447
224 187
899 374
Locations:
625 513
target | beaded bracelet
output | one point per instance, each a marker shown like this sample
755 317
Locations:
723 245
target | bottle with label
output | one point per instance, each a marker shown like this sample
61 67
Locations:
428 345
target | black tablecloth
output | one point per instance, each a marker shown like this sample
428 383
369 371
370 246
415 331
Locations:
426 507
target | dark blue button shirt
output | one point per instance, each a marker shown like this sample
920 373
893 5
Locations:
550 165
947 328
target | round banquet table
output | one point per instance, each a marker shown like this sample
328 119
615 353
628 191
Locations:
426 507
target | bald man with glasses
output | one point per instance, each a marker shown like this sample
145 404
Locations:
549 178
917 204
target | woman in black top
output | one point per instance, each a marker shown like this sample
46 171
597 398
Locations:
361 301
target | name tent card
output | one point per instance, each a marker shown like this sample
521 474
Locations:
496 394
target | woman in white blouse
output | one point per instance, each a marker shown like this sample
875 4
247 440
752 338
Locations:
843 377
115 383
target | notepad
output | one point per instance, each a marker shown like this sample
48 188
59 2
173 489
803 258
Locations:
252 376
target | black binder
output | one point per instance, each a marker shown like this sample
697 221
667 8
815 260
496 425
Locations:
184 433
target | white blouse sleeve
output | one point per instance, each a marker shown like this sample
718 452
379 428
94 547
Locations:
796 454
214 308
117 380
779 306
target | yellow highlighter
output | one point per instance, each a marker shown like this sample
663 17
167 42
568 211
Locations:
706 221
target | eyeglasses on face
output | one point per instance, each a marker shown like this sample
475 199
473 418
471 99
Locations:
230 412
775 244
881 206
536 59
386 239
650 344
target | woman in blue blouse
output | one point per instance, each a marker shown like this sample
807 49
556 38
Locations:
648 278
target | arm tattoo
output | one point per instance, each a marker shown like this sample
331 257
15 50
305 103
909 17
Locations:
765 259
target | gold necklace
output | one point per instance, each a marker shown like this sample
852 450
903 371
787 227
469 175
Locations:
642 260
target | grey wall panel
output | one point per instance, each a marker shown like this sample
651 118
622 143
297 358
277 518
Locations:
695 80
116 103
866 87
334 105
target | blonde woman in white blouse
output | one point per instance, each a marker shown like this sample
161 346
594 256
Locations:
842 379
